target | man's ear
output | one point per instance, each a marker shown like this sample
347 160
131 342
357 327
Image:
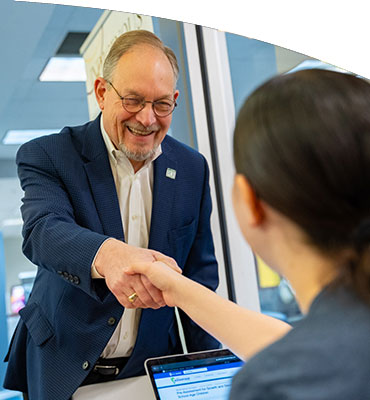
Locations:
252 204
100 88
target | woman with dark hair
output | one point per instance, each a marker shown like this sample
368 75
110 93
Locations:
302 198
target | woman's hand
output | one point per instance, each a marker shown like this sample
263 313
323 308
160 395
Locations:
166 277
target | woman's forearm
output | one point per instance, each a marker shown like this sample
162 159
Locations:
243 331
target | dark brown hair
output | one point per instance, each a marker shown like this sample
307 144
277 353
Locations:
303 142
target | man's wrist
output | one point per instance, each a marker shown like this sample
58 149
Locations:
96 272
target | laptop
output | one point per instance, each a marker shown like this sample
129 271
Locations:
201 375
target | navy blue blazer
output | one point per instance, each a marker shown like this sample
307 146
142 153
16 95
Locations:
69 208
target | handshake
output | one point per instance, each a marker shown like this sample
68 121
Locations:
138 278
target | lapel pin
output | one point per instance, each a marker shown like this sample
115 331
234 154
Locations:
171 173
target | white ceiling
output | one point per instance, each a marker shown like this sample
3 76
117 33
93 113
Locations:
30 34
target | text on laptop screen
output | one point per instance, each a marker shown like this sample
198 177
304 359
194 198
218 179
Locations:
208 378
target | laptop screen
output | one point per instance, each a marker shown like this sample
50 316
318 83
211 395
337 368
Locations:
203 375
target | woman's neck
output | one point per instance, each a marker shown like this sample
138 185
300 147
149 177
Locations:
309 272
285 247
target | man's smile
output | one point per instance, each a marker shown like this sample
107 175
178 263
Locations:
137 132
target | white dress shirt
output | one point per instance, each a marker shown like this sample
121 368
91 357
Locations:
135 195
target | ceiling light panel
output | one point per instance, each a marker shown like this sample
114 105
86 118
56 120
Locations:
64 69
22 136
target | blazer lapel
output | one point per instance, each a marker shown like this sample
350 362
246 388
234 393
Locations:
104 192
101 181
163 194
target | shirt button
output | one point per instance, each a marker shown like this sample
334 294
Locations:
111 321
125 336
85 365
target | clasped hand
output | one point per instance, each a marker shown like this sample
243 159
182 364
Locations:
114 262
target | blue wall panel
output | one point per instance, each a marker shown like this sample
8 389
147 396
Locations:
251 63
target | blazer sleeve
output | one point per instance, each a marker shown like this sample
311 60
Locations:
51 237
201 266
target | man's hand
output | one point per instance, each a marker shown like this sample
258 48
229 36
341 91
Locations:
114 257
163 276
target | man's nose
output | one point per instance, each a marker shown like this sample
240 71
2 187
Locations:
146 116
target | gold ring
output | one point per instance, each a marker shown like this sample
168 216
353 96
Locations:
132 297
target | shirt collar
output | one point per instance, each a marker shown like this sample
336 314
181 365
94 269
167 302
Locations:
114 153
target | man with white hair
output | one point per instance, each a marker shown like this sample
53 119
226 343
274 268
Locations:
98 198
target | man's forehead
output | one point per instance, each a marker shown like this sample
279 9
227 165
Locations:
139 52
143 95
136 72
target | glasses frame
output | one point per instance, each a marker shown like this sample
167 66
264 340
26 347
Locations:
143 103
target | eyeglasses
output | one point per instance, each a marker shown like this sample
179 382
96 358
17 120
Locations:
133 104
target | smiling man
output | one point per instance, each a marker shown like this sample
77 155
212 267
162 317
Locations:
98 198
137 113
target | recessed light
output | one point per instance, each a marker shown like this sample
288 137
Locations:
24 135
64 69
12 222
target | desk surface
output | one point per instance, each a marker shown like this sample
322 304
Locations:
137 388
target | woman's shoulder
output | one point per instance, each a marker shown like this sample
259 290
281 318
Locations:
325 356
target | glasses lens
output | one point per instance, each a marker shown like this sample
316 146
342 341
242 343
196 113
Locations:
163 108
135 104
132 104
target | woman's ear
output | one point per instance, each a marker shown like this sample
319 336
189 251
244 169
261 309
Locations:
253 209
